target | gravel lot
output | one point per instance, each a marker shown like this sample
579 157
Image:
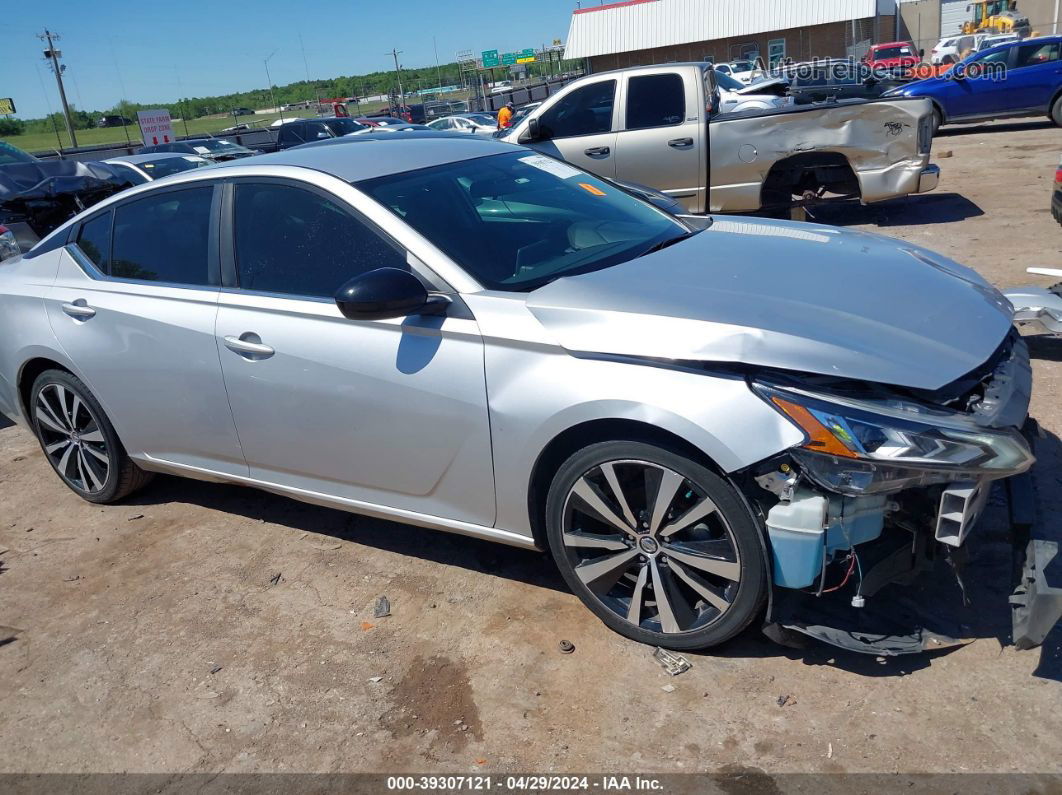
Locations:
156 636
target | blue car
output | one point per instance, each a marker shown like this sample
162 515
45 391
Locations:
971 91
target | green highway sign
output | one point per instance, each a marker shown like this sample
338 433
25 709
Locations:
508 58
490 59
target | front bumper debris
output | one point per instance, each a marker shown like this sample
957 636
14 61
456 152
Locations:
925 608
1036 310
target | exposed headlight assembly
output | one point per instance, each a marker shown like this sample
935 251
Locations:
855 448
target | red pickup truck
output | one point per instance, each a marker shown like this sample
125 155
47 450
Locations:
891 55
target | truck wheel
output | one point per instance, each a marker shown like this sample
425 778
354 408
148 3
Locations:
659 547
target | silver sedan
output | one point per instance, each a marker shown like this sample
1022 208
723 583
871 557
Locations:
472 337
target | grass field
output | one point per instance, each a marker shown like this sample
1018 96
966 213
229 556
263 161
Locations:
47 142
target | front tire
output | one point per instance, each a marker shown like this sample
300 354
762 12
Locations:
1056 111
659 547
79 441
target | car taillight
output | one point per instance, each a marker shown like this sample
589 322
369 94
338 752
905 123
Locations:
1058 178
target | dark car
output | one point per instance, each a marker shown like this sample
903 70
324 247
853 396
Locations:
36 196
114 121
242 112
826 80
215 149
1020 78
302 131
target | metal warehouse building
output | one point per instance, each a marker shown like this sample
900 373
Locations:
636 32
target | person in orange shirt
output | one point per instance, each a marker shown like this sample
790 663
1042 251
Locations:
505 116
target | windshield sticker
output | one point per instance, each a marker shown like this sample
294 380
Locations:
591 189
201 150
551 166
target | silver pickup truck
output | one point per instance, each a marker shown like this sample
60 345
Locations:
661 126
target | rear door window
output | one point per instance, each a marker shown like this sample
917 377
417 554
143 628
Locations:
94 240
164 237
655 101
1037 54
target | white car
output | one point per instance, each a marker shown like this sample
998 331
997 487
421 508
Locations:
992 41
502 87
735 96
949 50
744 71
477 123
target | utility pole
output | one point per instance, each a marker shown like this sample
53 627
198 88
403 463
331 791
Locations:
398 71
53 54
272 99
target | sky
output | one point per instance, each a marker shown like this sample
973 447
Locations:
161 51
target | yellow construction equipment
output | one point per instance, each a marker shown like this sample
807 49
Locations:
996 16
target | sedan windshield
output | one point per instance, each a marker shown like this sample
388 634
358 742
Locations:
343 126
163 167
217 145
521 220
481 119
727 82
10 155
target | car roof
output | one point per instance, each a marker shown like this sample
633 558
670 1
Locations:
892 44
361 157
150 157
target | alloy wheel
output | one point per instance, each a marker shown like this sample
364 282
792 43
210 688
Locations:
72 438
651 546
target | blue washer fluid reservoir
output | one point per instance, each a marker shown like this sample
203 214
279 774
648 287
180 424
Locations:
810 526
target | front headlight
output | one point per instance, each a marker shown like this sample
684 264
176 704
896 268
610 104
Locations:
853 447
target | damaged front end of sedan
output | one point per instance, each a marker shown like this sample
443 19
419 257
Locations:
885 484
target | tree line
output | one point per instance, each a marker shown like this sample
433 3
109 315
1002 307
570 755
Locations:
372 84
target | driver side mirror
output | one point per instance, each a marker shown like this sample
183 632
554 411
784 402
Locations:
385 293
534 130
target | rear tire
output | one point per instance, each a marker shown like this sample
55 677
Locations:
1056 111
79 441
660 548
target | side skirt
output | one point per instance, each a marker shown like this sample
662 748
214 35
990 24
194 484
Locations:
343 504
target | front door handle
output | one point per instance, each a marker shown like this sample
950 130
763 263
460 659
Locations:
248 346
678 143
597 151
79 309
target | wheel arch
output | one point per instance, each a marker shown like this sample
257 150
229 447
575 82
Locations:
578 436
807 168
28 373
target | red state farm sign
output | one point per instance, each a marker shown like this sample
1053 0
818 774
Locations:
155 127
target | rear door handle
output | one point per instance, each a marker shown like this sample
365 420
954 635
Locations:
597 151
79 309
680 142
242 346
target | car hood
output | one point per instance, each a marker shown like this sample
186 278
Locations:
778 294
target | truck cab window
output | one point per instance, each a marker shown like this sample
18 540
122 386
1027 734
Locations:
655 101
584 111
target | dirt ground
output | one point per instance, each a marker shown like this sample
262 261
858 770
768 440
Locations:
206 628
